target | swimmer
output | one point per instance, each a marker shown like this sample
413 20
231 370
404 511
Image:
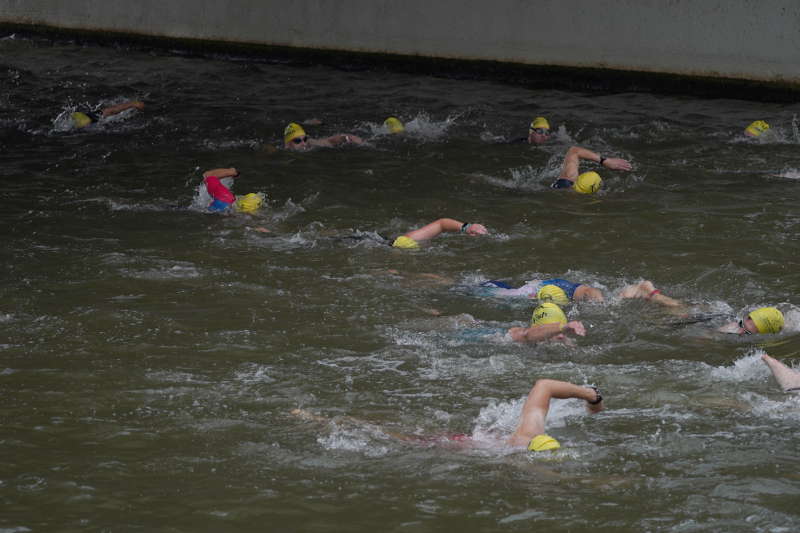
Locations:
756 128
764 320
393 125
223 200
556 290
296 140
538 133
588 182
81 119
788 379
548 322
412 239
530 431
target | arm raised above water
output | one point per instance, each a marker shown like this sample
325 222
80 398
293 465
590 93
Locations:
429 231
575 154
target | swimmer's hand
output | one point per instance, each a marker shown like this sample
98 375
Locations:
260 229
595 407
312 122
615 163
138 105
575 327
476 229
353 139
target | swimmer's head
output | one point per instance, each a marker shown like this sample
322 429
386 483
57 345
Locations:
548 313
767 320
588 183
393 125
756 128
539 131
294 137
543 443
540 122
249 203
553 293
81 120
406 243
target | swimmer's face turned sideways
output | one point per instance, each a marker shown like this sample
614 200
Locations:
295 138
539 131
747 327
538 136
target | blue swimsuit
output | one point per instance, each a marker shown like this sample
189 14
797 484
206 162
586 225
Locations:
530 289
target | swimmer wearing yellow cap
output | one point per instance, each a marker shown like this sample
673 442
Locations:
222 199
82 119
548 322
588 182
393 125
556 290
764 320
538 131
296 139
756 128
411 240
530 432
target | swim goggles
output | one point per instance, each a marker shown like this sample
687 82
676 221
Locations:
745 331
298 140
540 131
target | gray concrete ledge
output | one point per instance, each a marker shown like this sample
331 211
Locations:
752 40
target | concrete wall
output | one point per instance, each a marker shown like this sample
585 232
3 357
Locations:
745 39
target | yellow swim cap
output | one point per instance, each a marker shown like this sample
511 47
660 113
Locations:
756 128
767 320
292 131
406 243
553 293
588 183
81 120
394 125
548 313
540 122
542 443
249 203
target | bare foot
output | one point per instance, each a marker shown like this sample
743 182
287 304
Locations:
785 376
639 290
261 230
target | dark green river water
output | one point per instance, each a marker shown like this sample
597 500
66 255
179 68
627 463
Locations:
151 352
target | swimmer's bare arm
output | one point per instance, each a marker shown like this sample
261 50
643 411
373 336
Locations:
343 138
787 378
573 158
537 405
221 172
647 291
547 331
119 108
429 231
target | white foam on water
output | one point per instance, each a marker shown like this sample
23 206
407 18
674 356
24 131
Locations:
746 368
168 270
364 439
254 373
